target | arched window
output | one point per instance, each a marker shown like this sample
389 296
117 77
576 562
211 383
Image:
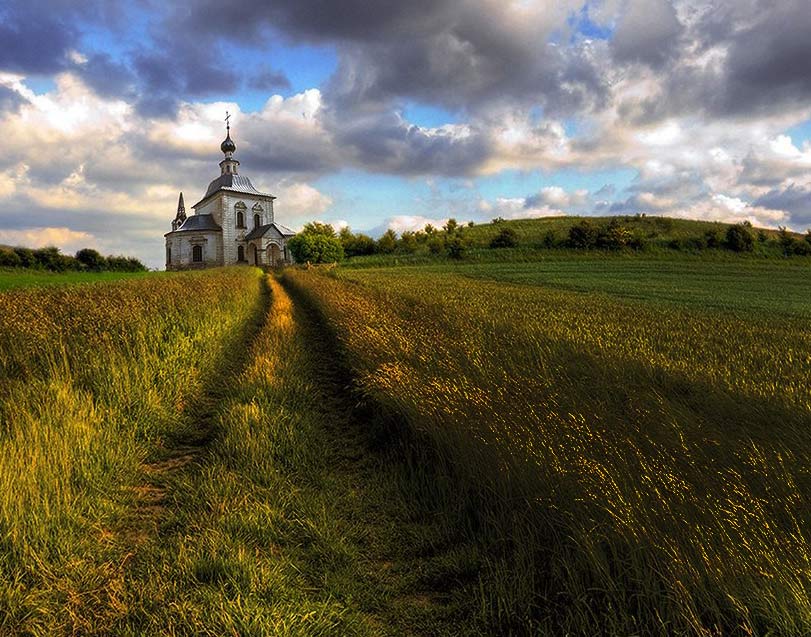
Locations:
240 208
240 253
197 254
257 221
168 255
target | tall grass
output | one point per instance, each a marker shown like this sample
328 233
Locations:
628 468
94 380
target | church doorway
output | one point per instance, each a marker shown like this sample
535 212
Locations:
274 255
241 254
254 254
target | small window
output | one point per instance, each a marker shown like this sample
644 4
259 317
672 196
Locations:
257 221
168 255
240 253
197 254
240 219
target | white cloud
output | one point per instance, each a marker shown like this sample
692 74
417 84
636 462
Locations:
65 239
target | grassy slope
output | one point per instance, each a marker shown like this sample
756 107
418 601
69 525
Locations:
18 278
532 234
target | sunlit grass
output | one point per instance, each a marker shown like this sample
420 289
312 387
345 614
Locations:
640 466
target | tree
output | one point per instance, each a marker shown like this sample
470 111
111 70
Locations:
388 242
9 258
91 259
408 242
451 226
356 244
27 258
739 238
786 240
583 235
614 236
316 227
316 248
506 238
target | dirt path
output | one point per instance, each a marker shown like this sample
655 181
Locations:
291 514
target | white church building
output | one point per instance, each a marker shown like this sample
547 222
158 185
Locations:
232 224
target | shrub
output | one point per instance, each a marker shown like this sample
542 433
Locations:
713 238
27 258
356 244
9 258
614 236
455 246
739 238
91 259
549 239
388 242
506 238
408 242
583 235
435 245
316 248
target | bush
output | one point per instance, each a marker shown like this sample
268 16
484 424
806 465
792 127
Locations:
614 236
506 238
388 242
9 258
583 235
124 264
356 244
407 243
27 258
91 259
739 238
549 240
316 248
455 246
713 238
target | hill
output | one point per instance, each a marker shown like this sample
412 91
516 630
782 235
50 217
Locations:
533 239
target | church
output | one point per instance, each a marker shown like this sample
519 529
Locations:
232 224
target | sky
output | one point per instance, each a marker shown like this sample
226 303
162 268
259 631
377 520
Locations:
382 114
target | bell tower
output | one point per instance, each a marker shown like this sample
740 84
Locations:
229 165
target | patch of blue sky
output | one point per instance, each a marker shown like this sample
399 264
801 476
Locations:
364 199
583 26
40 84
800 134
427 116
305 67
515 184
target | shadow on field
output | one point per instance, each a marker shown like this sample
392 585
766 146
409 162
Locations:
623 499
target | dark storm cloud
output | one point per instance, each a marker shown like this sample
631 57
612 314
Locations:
795 200
107 77
383 142
33 40
268 79
647 32
762 71
458 54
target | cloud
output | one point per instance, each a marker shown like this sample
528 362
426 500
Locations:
647 32
67 240
269 79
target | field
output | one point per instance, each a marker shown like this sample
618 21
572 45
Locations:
575 445
20 278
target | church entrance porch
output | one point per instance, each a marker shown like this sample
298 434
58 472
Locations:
274 256
253 253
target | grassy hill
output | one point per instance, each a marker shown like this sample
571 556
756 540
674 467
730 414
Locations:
550 236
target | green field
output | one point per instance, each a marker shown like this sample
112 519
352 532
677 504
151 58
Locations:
19 278
584 444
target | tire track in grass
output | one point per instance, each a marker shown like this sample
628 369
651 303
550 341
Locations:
295 519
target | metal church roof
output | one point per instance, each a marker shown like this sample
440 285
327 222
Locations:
261 231
197 223
232 183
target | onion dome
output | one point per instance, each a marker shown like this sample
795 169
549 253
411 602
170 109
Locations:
228 146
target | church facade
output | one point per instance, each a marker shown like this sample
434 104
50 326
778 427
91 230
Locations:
232 224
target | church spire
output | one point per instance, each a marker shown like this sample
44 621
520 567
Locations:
229 165
180 217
